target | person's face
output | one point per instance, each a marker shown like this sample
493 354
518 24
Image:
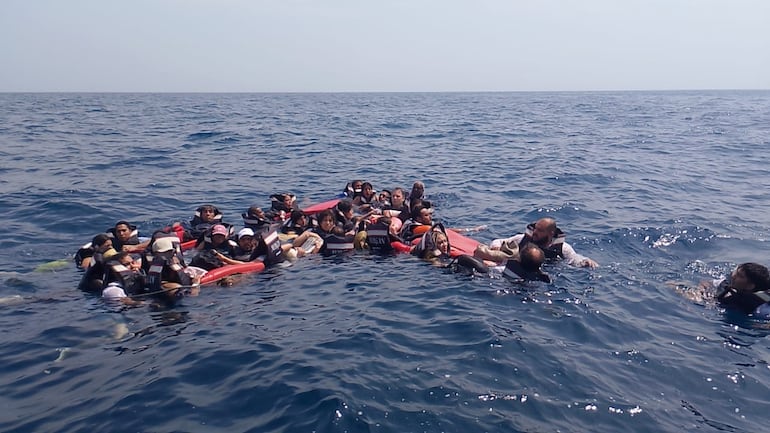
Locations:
426 216
368 191
442 243
218 239
349 214
302 221
122 232
207 215
105 246
130 263
739 281
326 224
398 198
246 242
541 234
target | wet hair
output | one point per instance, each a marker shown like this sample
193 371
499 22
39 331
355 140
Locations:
100 239
123 223
417 211
296 215
345 205
326 214
121 255
531 257
757 274
253 211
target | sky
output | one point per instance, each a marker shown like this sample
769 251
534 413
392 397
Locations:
382 46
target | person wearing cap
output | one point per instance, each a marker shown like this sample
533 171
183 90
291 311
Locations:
216 239
246 245
167 275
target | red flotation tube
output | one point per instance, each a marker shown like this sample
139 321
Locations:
217 274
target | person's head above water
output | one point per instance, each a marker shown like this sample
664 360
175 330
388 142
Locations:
750 277
531 257
544 231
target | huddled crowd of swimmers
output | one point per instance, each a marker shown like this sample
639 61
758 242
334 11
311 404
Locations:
126 268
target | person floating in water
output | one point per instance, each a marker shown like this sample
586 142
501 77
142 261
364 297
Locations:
747 289
545 234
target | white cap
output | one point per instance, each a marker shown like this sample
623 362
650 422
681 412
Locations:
162 245
245 232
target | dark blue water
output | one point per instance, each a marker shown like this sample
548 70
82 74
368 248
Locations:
657 187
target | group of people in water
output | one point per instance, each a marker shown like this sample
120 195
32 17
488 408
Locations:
126 268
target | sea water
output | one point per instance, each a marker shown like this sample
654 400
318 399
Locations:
663 189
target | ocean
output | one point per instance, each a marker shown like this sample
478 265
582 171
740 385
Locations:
663 189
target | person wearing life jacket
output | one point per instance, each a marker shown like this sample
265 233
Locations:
421 222
747 289
433 246
125 237
213 243
93 278
366 200
246 243
147 255
416 194
281 205
376 236
298 222
545 234
352 189
124 278
204 218
398 206
324 237
343 214
255 219
526 265
166 277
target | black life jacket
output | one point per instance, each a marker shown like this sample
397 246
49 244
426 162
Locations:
198 227
131 281
342 220
279 210
746 302
241 254
378 237
268 248
253 222
553 250
147 255
93 278
515 271
350 192
117 244
336 244
83 253
164 269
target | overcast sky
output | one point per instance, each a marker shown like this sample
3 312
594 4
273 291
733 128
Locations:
386 45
